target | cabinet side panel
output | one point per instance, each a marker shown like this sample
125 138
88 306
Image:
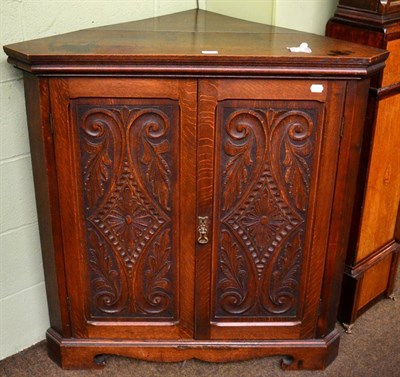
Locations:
397 227
349 155
375 281
391 73
44 172
383 187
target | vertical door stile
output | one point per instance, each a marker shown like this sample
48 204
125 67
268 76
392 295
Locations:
205 177
187 204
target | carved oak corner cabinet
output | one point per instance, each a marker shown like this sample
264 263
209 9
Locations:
194 181
374 246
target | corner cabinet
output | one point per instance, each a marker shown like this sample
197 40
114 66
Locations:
194 205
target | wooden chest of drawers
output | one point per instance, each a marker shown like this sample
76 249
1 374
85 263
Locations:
194 181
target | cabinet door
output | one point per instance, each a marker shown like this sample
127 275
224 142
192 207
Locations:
267 155
127 204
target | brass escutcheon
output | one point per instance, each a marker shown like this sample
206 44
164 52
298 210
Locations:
202 228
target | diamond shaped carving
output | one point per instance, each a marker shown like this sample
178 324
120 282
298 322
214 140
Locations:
126 165
128 220
265 165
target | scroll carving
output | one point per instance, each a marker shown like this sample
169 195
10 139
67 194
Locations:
99 133
242 129
233 285
298 147
157 170
107 280
156 281
97 170
266 165
283 280
126 171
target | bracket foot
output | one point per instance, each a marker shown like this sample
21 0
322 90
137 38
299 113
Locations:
348 328
392 297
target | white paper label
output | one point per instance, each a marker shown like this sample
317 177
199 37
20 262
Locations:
317 88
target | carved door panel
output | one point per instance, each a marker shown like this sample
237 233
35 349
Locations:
132 201
260 184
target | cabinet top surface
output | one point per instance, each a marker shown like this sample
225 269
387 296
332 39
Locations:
189 40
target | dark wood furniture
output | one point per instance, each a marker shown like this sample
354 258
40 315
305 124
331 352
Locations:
374 246
194 204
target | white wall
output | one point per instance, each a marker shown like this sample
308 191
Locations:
253 10
23 308
305 15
